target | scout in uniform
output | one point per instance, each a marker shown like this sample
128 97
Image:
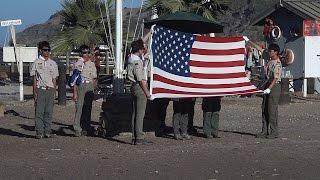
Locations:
97 60
191 128
181 109
271 95
83 93
211 107
159 113
139 91
44 72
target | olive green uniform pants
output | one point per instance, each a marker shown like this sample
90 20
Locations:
211 123
82 89
181 109
138 111
270 111
44 109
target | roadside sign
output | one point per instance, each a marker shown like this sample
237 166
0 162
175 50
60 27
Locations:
312 57
24 54
11 22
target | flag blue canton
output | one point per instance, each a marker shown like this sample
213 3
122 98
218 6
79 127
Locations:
171 51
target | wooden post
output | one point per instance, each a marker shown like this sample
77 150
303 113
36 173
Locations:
68 63
107 63
62 91
285 96
1 109
310 87
12 68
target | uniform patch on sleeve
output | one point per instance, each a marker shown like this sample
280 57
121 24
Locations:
40 66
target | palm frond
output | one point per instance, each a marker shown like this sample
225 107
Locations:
82 24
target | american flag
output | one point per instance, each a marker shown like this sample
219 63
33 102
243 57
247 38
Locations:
187 65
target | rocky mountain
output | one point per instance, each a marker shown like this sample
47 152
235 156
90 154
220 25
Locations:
40 32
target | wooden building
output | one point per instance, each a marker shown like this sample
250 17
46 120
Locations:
290 16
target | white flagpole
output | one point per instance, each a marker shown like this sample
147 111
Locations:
118 38
151 61
118 80
154 16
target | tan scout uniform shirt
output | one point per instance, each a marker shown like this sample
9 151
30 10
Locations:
147 68
274 69
44 71
88 70
136 70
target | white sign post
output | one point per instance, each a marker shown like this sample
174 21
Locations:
13 23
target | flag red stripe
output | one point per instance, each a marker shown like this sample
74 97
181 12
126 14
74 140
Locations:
218 76
196 63
157 77
217 52
169 91
218 39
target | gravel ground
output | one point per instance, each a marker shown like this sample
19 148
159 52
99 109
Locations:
236 155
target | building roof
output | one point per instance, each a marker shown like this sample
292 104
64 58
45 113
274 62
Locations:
306 9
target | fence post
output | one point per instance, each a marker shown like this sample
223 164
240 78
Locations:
62 91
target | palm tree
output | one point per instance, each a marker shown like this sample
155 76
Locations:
206 8
82 24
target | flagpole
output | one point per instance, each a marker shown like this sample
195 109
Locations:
151 65
154 16
118 80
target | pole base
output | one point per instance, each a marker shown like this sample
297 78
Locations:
285 96
118 86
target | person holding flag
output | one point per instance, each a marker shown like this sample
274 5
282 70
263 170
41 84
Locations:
139 90
271 95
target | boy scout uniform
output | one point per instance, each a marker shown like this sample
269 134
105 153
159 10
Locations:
181 109
88 74
44 71
136 73
211 107
158 114
271 101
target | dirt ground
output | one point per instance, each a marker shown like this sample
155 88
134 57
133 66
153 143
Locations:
236 155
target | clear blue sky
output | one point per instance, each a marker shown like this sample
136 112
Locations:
34 12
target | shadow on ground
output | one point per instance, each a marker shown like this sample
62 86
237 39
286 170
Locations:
238 132
14 113
9 132
26 127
